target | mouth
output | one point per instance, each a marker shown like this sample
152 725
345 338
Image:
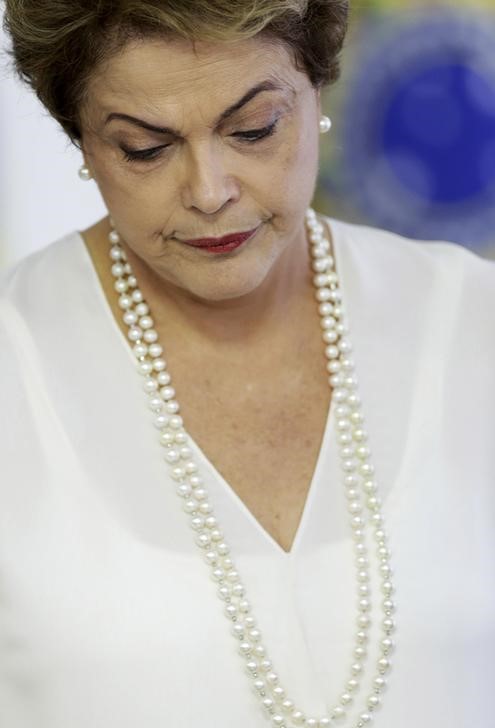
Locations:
225 244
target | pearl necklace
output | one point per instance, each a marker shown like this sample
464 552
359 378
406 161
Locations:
357 472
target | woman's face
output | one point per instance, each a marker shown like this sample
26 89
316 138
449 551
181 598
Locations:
237 151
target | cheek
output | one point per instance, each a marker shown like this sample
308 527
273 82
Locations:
289 176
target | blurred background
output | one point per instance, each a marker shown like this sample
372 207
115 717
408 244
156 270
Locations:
412 148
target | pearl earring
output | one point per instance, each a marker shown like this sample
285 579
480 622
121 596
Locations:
84 173
325 124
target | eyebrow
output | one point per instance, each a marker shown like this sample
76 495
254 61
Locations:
248 96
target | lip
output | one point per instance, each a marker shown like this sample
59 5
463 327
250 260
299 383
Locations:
224 244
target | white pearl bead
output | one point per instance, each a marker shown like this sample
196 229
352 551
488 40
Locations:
155 350
142 309
150 385
115 251
365 718
346 451
155 404
140 350
278 692
320 279
117 270
320 265
325 309
383 664
318 251
150 336
327 322
298 717
163 378
159 365
184 490
167 393
172 456
125 301
190 506
369 486
203 540
161 420
387 645
323 294
380 683
134 333
145 367
330 337
166 438
331 352
120 285
146 322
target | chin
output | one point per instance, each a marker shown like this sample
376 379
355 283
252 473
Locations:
228 292
228 285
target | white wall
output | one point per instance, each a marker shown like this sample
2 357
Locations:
41 194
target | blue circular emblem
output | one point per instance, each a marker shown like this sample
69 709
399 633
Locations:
418 151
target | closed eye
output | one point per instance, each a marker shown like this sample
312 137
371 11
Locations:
249 136
254 135
143 154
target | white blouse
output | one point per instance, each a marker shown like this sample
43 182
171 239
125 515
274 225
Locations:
108 615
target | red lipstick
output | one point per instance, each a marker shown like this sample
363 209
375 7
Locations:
225 244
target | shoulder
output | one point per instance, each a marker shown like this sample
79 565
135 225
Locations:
382 253
43 273
41 291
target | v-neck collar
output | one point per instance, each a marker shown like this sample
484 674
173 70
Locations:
311 496
317 478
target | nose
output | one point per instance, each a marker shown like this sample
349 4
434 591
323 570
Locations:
208 186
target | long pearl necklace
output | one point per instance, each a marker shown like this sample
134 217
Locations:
209 537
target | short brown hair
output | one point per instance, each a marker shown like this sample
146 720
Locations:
56 46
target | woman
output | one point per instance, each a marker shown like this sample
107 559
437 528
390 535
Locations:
226 561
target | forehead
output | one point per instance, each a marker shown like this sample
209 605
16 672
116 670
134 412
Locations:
176 72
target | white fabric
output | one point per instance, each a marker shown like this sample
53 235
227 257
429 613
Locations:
108 615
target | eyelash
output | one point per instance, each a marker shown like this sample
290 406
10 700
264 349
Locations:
250 137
